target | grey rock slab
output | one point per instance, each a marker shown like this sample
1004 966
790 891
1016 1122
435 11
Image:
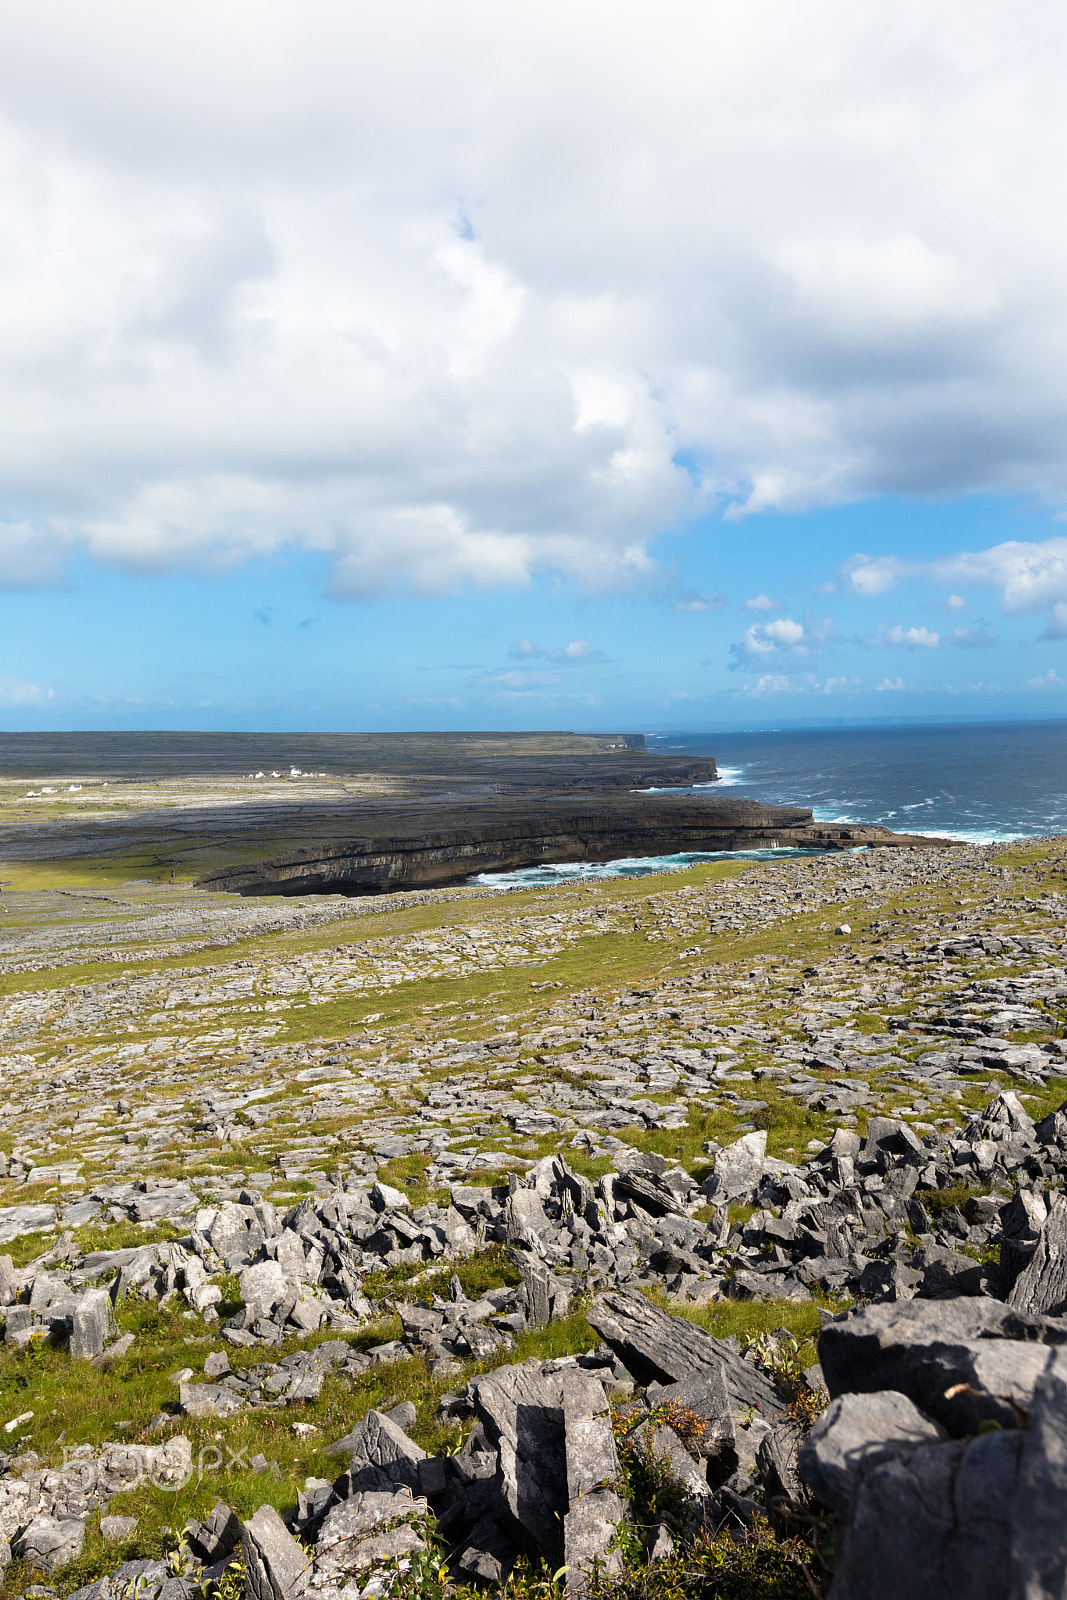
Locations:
354 1517
92 1323
595 1506
263 1287
403 1416
707 1396
937 1526
926 1348
216 1538
148 1580
738 1171
1041 1287
208 1400
650 1192
50 1542
172 1200
655 1346
853 1433
117 1529
380 1455
18 1220
1039 1517
522 1412
277 1568
387 1546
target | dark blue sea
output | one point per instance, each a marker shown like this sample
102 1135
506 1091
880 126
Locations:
983 782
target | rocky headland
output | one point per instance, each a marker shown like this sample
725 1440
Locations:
497 839
389 812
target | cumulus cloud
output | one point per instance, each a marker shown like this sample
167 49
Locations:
784 637
761 602
1047 680
905 638
456 315
1030 575
890 686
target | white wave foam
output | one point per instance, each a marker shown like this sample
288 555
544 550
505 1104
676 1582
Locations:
972 835
728 778
551 873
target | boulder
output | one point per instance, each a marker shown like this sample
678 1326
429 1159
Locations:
707 1397
216 1538
1039 1515
521 1413
92 1323
855 1432
657 1347
208 1400
488 1554
276 1566
961 1361
353 1518
50 1542
595 1506
263 1287
738 1173
664 1445
1041 1287
381 1456
936 1526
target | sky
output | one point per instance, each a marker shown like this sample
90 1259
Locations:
588 366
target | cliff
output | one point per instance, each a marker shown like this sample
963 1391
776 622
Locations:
505 838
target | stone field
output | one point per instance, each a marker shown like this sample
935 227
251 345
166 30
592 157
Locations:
358 1246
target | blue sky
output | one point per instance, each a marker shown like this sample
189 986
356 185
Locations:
447 368
698 646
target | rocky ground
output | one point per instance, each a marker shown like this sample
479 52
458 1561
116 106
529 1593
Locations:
369 1245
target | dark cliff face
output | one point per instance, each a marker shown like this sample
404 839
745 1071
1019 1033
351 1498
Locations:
536 834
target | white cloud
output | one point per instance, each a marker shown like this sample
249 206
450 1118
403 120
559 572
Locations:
17 692
807 683
1049 680
571 654
872 575
1056 626
689 600
890 685
905 638
455 315
784 637
760 602
1031 576
771 683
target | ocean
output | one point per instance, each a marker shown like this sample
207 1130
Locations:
984 782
